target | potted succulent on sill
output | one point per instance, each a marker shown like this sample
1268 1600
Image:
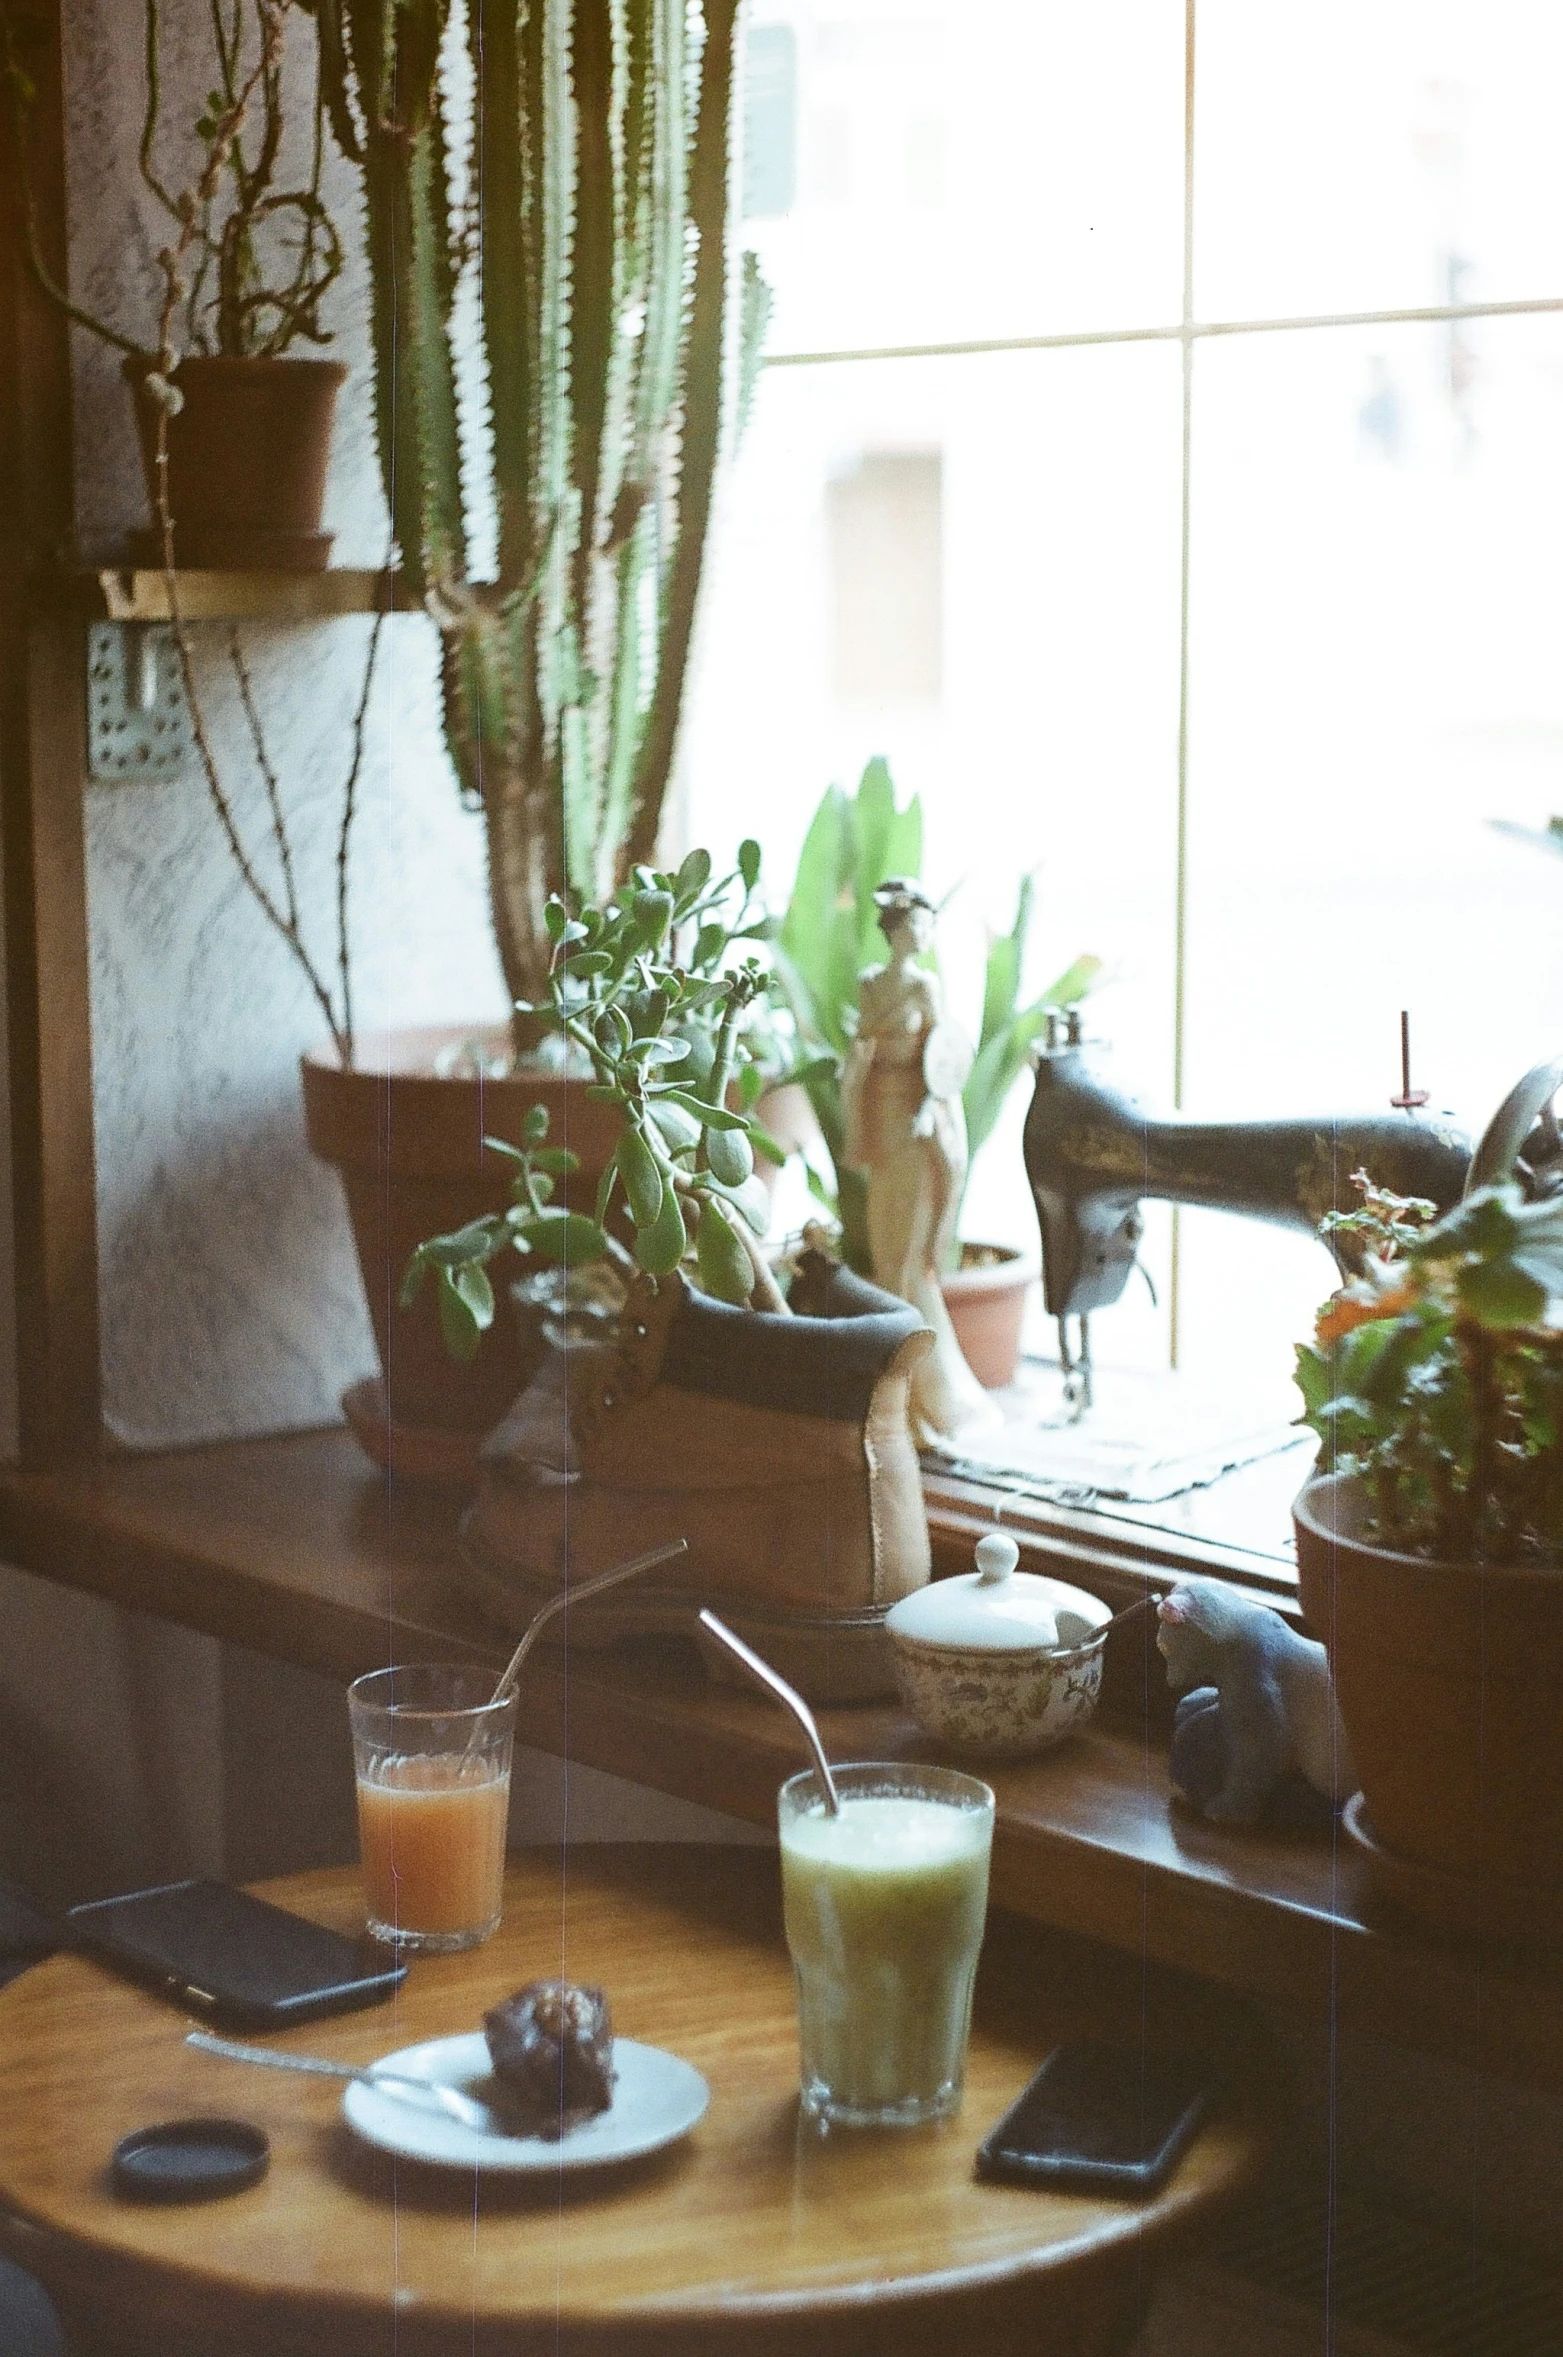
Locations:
1430 1549
769 1430
829 935
247 267
558 370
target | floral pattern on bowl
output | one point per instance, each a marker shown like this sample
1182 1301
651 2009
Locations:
1004 1705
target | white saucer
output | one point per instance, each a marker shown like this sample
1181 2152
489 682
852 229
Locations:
657 2098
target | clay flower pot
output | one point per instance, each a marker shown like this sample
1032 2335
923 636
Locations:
986 1299
408 1145
247 459
1448 1677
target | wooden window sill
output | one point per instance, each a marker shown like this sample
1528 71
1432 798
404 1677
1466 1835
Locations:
290 1546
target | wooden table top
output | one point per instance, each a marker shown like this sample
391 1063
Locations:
754 2234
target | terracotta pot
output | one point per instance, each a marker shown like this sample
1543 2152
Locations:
1449 1677
986 1299
247 458
409 1148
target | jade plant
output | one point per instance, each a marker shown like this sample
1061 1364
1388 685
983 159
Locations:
831 931
645 995
562 349
1435 1375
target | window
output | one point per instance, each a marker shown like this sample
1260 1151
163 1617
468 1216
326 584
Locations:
1160 459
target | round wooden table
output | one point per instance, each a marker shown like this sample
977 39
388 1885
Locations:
755 2235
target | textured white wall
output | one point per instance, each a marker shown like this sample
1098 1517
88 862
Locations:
230 1295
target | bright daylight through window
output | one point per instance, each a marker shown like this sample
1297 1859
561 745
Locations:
1158 461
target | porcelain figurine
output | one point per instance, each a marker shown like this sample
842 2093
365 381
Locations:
906 1130
1259 1704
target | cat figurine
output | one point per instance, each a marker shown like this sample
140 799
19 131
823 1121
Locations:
1259 1704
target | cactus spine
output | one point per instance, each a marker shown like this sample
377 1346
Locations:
589 242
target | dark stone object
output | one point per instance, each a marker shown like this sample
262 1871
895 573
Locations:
189 2160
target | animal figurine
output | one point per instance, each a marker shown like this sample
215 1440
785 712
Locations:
1259 1704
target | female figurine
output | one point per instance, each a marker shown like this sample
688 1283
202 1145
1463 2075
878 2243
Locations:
906 1130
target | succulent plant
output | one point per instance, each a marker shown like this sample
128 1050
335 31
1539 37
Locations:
644 993
548 234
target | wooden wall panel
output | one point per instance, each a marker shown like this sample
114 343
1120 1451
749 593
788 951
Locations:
42 781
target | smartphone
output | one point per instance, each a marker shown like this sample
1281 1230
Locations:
235 1958
1100 2119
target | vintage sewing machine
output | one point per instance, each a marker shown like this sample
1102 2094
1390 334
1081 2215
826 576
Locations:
1094 1154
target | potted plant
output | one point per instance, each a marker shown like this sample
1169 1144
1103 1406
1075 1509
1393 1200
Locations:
768 1429
558 370
1430 1547
829 934
250 258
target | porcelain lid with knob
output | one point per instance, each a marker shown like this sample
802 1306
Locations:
997 1609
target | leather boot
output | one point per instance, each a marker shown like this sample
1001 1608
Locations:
779 1447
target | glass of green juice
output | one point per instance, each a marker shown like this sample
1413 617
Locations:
884 1907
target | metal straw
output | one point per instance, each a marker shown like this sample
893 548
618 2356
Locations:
577 1593
763 1675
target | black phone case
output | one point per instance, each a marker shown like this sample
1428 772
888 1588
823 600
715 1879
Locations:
1176 2090
235 1958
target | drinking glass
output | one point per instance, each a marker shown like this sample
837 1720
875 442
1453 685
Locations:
884 1908
431 1749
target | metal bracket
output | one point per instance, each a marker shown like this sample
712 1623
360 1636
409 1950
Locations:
138 722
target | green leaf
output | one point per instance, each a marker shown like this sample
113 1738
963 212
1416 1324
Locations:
652 913
691 880
1074 983
725 1267
709 945
749 862
511 1153
479 1240
660 1246
588 962
534 1127
1001 976
730 1156
1500 1294
643 1180
459 1327
676 1126
1314 1380
471 1282
412 1279
558 1161
567 1237
1483 1224
647 1011
822 883
708 1116
656 1051
750 1199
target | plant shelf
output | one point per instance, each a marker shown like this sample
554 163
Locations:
128 594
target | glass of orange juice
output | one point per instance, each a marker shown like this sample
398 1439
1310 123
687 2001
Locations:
431 1748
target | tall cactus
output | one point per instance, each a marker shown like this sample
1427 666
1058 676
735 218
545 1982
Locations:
614 342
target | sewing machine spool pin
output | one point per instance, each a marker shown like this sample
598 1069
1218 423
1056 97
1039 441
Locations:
1410 1100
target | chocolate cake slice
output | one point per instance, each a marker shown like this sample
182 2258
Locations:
551 2045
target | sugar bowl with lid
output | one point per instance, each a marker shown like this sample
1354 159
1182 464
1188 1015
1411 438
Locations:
999 1662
